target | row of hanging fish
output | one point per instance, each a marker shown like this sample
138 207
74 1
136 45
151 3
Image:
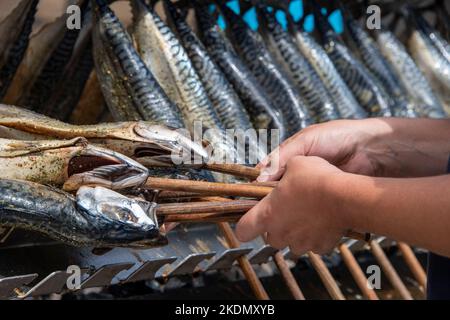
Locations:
160 75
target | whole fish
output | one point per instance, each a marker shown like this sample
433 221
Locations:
269 74
163 53
346 103
130 89
68 163
15 31
364 86
371 56
228 107
316 96
159 145
429 52
53 68
252 95
96 217
410 75
68 92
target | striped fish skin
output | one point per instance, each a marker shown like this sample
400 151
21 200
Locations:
69 92
280 89
374 60
361 82
131 91
228 107
426 52
316 96
165 56
410 75
346 103
53 69
11 58
252 95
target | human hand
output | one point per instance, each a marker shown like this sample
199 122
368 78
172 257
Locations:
303 211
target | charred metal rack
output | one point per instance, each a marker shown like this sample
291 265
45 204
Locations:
32 266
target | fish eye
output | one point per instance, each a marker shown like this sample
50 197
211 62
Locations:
119 212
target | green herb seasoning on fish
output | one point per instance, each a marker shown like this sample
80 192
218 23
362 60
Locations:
130 90
154 143
15 31
68 163
269 74
96 217
364 86
316 96
252 95
411 77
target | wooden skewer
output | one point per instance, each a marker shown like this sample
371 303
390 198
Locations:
244 263
326 277
357 273
282 265
220 207
388 268
413 264
234 169
208 188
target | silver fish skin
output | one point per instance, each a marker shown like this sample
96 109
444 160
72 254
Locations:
96 217
130 89
364 86
253 96
11 57
163 53
316 96
279 87
429 53
371 56
412 78
228 107
346 103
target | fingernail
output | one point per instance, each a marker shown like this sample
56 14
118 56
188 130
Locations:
263 177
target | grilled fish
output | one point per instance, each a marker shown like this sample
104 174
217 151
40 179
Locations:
252 95
374 60
95 217
163 53
130 89
410 75
53 68
346 103
277 84
282 46
364 86
429 51
68 163
159 145
228 107
14 38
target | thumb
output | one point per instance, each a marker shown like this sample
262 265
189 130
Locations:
252 224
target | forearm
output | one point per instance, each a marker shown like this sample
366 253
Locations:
416 210
409 147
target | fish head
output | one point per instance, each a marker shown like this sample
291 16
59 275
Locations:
92 165
121 221
167 146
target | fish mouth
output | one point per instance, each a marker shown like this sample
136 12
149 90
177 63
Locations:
95 166
168 146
